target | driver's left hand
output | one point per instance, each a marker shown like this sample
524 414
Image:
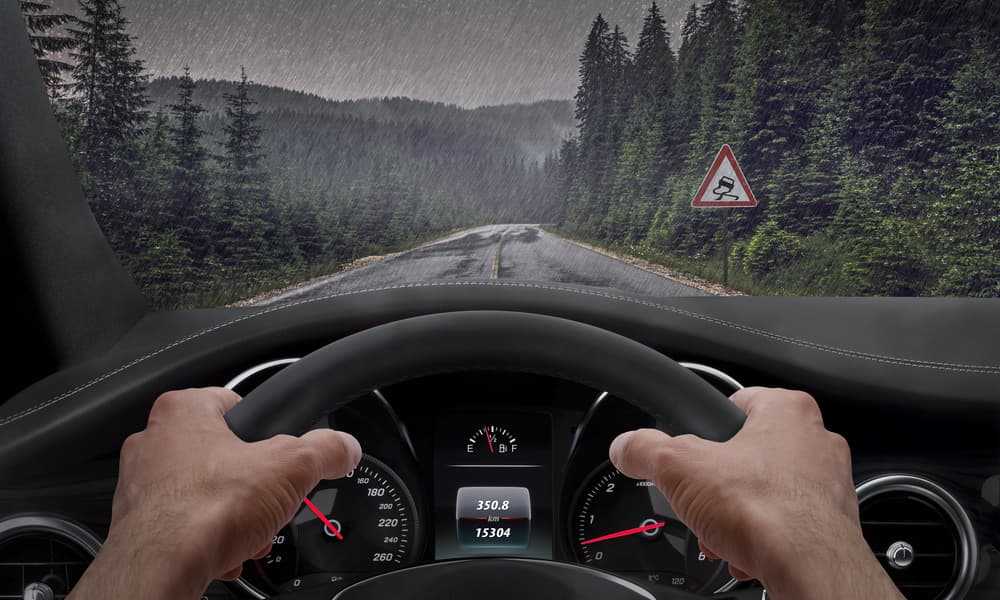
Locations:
194 501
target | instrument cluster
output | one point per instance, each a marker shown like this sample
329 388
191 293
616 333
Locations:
482 465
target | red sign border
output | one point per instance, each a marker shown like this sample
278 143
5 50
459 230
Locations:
725 152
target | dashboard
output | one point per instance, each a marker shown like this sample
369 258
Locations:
483 465
499 464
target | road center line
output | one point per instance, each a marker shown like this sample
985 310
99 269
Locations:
495 273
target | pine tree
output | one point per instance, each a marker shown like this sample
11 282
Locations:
48 40
685 100
243 131
780 80
895 73
593 99
190 176
654 67
110 105
618 81
155 191
717 28
240 236
965 220
252 235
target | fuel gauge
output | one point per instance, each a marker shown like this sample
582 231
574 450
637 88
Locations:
491 439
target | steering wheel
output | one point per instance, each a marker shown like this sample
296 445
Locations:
299 395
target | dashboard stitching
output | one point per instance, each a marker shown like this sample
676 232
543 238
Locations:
983 369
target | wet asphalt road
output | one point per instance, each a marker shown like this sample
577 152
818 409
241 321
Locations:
521 252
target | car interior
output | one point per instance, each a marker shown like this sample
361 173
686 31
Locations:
485 410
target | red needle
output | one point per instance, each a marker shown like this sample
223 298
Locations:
488 440
623 533
321 517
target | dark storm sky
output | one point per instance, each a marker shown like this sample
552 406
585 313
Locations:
467 52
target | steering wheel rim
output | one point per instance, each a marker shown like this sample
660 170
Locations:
335 374
332 376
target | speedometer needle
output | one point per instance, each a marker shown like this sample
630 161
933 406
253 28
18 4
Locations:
322 517
623 533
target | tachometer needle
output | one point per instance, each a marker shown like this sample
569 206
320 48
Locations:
623 533
322 517
489 441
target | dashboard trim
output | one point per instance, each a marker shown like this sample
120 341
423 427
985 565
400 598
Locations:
48 523
942 498
281 362
714 373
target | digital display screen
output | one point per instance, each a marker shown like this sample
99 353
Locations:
493 517
493 485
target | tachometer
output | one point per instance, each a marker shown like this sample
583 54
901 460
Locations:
346 529
627 526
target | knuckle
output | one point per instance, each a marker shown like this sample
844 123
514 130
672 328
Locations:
685 442
803 404
286 446
167 403
131 443
802 401
841 449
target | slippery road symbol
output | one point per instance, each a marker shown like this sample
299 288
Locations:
725 185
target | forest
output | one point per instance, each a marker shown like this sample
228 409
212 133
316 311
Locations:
212 191
868 129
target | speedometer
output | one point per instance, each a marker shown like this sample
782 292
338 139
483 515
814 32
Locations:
346 529
627 526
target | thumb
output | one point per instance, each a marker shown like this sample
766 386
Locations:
338 452
318 454
653 455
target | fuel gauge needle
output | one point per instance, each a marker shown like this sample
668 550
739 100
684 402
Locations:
486 430
623 533
322 517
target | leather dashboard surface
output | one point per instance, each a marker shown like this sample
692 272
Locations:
940 357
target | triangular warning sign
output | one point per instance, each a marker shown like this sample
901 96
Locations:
724 186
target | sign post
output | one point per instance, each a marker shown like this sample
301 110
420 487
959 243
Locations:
725 186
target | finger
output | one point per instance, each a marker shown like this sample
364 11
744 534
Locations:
192 404
707 551
749 399
220 400
262 552
232 574
777 402
648 454
336 452
738 575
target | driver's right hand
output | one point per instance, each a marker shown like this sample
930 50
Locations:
777 501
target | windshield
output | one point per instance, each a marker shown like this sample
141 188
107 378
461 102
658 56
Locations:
257 152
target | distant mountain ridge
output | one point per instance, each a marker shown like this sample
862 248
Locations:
483 164
534 130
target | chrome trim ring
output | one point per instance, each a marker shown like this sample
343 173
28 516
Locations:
235 381
68 530
940 497
714 373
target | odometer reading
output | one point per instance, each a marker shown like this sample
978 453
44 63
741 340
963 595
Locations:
627 526
493 517
361 524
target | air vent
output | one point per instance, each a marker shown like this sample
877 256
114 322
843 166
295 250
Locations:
920 534
45 551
